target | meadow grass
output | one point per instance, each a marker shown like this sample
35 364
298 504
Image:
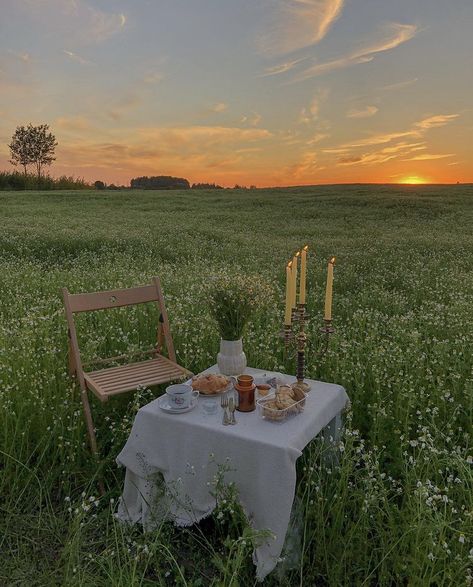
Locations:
395 510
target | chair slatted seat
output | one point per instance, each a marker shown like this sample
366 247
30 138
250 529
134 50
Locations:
115 380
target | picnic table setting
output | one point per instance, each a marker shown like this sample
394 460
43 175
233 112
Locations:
251 423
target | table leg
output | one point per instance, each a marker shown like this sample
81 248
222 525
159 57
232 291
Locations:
333 431
292 550
331 436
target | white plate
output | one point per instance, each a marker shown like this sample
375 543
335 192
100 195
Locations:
163 403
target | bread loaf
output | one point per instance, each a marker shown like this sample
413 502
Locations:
210 384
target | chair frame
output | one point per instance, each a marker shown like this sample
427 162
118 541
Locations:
89 302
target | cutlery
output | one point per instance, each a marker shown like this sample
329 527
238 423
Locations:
224 406
231 407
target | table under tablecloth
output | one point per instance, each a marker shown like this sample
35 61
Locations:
192 450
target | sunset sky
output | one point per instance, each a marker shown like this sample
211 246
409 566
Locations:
264 92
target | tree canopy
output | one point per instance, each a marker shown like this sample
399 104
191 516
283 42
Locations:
33 145
206 186
160 182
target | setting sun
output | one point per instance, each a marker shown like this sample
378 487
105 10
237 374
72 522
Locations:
414 180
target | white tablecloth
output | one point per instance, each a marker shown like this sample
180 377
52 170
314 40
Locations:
188 449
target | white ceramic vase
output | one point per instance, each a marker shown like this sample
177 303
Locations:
231 359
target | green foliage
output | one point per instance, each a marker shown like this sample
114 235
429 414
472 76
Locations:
233 301
33 145
21 148
160 182
28 181
206 186
396 507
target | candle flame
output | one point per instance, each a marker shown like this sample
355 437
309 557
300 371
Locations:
306 248
332 260
297 254
289 264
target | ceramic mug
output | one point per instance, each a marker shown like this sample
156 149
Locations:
180 395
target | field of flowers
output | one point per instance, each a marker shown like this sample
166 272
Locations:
395 510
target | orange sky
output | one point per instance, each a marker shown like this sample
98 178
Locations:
280 92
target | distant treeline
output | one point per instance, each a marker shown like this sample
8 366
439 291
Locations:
21 181
206 186
166 182
160 182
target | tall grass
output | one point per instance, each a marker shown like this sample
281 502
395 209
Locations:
397 507
21 181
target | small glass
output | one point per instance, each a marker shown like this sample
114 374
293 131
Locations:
209 406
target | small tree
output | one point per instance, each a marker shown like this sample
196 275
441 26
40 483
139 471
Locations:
20 148
99 185
43 145
33 145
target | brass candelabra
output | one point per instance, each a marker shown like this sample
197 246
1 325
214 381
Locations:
295 334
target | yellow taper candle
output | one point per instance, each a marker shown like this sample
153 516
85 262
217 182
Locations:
287 315
295 262
302 287
328 290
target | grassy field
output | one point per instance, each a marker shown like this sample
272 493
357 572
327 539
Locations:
398 508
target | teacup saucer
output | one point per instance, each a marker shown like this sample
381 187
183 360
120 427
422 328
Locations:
163 403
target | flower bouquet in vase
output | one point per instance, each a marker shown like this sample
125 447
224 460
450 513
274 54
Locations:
232 303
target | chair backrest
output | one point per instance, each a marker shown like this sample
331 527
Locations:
117 298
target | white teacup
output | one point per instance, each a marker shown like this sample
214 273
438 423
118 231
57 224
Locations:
180 395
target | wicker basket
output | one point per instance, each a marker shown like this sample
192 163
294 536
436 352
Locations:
268 411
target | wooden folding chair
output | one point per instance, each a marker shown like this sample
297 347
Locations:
111 381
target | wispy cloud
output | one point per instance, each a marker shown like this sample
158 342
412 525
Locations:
400 85
22 56
219 107
77 19
311 113
307 165
366 112
300 23
211 135
397 34
375 157
335 150
317 138
252 120
430 156
104 24
76 57
378 139
381 149
282 67
435 121
416 130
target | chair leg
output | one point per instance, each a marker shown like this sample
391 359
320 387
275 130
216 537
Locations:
70 362
88 420
91 432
